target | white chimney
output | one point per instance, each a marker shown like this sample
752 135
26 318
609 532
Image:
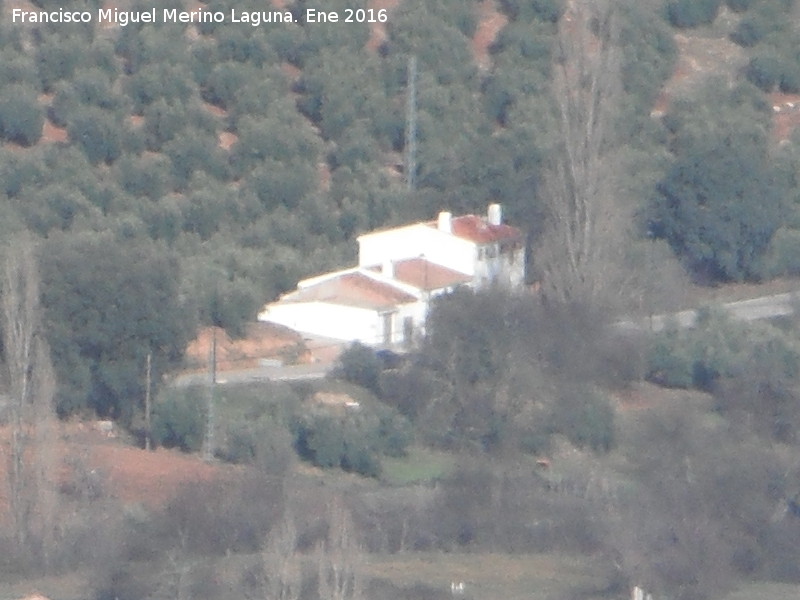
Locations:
445 222
387 269
495 214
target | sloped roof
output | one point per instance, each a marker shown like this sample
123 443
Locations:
425 275
352 289
476 229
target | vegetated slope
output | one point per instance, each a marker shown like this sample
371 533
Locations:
194 135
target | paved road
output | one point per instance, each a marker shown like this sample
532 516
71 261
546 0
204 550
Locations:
287 373
765 307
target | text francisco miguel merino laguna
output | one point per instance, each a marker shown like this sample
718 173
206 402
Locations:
200 15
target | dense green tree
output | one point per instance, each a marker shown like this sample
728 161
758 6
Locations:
98 133
108 304
193 151
719 206
360 365
692 13
57 57
21 117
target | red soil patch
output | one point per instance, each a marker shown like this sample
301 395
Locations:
490 23
53 134
291 72
125 473
150 478
263 341
786 115
217 111
227 139
136 121
377 31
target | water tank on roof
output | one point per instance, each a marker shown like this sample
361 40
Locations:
445 222
495 214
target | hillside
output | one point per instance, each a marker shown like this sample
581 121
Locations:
159 182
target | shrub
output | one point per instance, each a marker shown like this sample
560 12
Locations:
179 420
670 364
783 257
264 443
764 71
97 133
329 442
527 10
717 347
585 418
354 441
361 366
739 5
692 13
790 78
750 31
21 117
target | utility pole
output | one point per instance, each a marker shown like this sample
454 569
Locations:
208 451
148 385
411 124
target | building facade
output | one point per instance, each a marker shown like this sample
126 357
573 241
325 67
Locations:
384 300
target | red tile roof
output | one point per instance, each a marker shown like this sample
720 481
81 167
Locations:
476 229
425 275
352 289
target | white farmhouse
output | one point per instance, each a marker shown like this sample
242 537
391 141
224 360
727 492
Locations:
384 299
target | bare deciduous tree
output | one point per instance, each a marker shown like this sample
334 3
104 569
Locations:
586 223
282 565
32 482
339 557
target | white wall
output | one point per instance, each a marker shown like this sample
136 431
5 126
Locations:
414 241
345 323
336 321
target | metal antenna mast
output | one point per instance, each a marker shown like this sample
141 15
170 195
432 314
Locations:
208 451
411 124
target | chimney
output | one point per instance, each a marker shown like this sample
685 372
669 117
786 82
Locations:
494 215
387 269
444 223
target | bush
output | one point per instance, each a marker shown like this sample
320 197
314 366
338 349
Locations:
739 5
97 132
353 441
527 10
783 257
179 420
669 362
717 347
21 117
361 366
329 442
692 13
264 444
750 31
585 418
790 78
764 71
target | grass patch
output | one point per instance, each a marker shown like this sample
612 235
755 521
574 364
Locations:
420 464
492 576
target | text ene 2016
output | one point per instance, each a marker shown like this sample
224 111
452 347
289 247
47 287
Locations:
360 15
